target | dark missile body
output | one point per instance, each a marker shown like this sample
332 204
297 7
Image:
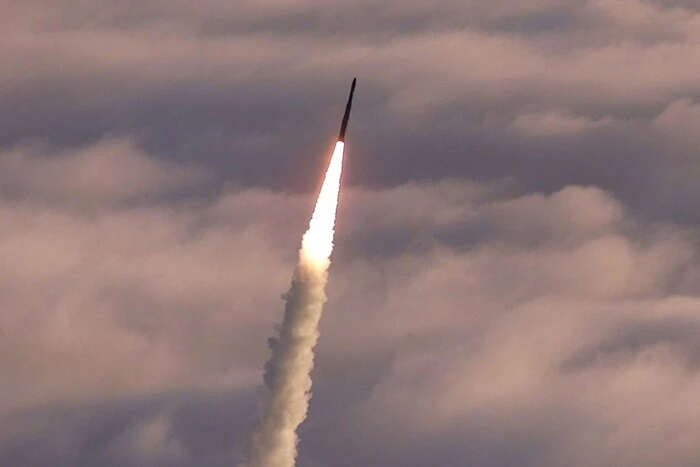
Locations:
348 107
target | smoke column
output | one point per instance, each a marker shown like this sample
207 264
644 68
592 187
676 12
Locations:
287 379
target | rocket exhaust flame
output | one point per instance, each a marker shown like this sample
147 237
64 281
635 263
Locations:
287 379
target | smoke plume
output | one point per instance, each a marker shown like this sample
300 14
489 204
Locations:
287 379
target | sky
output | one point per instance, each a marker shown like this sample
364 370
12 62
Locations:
516 279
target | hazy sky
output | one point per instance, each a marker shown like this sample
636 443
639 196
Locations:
516 281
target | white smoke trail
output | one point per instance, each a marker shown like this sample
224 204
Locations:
286 392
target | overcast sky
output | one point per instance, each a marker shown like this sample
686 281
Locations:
516 280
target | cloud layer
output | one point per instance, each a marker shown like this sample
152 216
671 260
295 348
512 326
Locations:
551 93
517 253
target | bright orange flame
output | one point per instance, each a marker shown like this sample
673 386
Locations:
317 243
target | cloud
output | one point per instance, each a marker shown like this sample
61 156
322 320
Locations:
441 90
150 440
478 339
108 171
551 124
517 238
677 121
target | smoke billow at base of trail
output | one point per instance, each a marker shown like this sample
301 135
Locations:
287 377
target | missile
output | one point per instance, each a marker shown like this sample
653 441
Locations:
346 117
